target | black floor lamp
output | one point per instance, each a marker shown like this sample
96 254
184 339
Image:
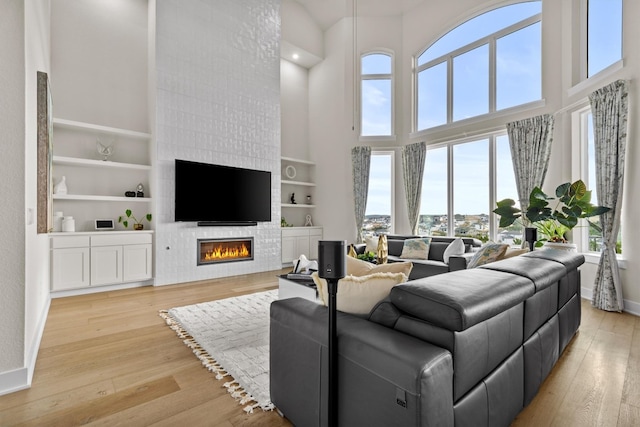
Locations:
332 267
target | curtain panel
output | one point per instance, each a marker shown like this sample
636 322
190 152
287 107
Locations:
609 109
530 142
361 164
413 159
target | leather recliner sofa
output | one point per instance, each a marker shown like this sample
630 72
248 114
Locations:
468 348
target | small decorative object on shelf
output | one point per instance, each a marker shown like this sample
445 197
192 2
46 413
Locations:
68 224
130 194
137 224
290 172
284 223
308 199
57 221
308 222
293 198
140 190
61 187
105 149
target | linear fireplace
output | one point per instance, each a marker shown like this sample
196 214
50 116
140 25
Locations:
212 251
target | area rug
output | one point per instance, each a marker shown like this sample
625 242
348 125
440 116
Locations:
231 339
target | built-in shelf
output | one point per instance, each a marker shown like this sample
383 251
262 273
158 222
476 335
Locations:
71 124
300 161
76 161
305 184
297 205
94 198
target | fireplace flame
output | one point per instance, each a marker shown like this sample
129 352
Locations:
222 252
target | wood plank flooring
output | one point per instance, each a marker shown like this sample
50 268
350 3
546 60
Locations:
108 359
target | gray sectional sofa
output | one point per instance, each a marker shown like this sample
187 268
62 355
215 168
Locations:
435 263
468 348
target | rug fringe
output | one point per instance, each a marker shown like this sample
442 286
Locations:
233 388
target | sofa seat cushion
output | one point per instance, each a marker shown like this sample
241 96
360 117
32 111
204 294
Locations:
358 295
540 271
463 298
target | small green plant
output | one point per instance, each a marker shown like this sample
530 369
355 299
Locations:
367 256
129 216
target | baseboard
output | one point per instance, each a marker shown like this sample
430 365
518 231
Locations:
630 307
13 381
97 289
20 379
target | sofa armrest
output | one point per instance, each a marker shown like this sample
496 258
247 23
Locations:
459 262
386 377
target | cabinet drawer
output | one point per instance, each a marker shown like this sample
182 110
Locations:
121 239
294 232
315 232
69 242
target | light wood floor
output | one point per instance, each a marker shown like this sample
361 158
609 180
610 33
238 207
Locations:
108 359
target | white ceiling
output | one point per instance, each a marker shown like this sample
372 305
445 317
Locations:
328 12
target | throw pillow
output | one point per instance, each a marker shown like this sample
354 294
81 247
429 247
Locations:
358 295
416 248
489 252
372 244
357 267
455 248
511 252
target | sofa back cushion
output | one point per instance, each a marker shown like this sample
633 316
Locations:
436 251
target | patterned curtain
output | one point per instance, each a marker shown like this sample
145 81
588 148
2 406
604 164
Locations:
361 162
530 142
609 109
413 157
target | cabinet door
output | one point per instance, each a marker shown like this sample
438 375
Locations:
313 244
70 268
288 249
137 262
302 245
106 265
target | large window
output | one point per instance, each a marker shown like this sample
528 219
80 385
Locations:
604 34
489 63
461 182
376 95
379 213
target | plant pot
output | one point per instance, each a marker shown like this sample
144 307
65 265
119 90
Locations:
571 247
138 226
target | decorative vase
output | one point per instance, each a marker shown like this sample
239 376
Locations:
61 187
571 247
138 226
382 253
530 236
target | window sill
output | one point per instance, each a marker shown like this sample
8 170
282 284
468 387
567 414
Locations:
596 79
594 258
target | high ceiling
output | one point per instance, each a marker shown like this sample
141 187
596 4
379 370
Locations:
328 12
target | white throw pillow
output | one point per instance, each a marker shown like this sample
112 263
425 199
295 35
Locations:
358 267
358 295
372 244
455 248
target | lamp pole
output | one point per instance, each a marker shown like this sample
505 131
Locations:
332 267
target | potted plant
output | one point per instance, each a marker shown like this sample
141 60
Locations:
573 203
137 224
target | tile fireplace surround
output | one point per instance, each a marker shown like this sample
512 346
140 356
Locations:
213 251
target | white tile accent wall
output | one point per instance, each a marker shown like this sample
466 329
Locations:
217 101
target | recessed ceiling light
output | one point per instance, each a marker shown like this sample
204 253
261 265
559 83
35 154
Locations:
295 56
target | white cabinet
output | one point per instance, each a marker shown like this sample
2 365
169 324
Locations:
298 241
94 259
70 263
96 184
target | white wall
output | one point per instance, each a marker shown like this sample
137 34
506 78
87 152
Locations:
217 101
331 107
38 58
12 187
294 106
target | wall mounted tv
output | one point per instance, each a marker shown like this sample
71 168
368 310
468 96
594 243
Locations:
221 195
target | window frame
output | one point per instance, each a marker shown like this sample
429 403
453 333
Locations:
584 44
448 59
391 78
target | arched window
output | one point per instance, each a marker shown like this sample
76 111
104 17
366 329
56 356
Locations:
376 94
486 64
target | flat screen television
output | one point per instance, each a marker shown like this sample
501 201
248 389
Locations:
216 194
